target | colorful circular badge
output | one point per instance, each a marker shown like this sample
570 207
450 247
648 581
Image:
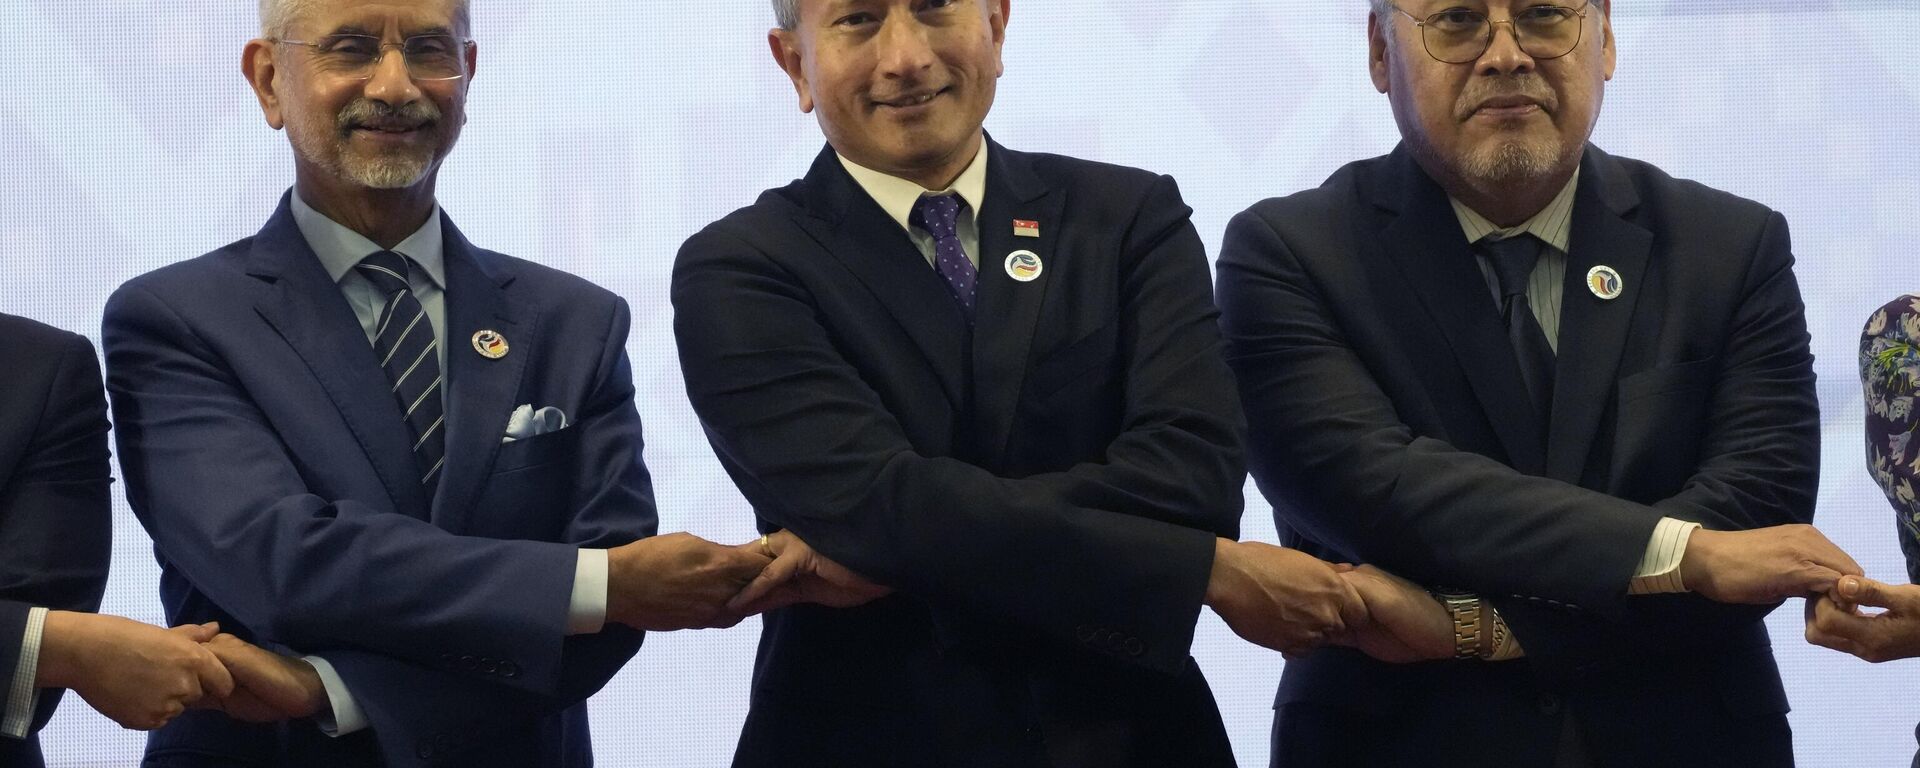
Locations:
490 344
1025 266
1605 283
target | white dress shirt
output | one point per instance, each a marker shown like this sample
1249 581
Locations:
1659 569
340 249
897 197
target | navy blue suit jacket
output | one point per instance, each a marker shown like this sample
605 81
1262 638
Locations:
1380 391
266 457
1043 489
56 518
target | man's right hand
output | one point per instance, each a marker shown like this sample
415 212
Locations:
678 581
139 675
1282 599
1764 565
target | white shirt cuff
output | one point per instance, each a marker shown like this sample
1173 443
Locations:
344 716
1659 571
24 697
587 609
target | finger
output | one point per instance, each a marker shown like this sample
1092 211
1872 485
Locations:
1860 590
779 572
1814 579
198 633
215 679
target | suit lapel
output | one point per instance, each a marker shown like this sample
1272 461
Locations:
309 312
1593 332
854 230
1008 310
1425 241
480 391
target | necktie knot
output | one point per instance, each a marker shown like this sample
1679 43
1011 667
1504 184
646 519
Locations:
939 215
386 270
1512 259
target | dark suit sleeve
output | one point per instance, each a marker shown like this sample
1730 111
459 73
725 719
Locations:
613 502
226 504
1421 506
816 450
56 517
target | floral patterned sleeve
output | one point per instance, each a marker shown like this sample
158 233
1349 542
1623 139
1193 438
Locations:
1890 372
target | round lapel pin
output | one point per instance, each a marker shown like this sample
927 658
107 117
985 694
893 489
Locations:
1025 266
1605 283
490 344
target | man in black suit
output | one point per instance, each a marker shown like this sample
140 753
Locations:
1559 387
990 381
56 533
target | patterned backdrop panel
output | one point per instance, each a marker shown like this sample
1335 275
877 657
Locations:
604 133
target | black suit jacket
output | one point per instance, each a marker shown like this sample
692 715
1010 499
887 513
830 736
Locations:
1042 489
1381 394
56 518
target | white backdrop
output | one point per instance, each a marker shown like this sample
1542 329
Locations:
604 133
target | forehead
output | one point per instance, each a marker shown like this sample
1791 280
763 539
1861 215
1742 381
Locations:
377 16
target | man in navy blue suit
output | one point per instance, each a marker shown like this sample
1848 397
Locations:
408 465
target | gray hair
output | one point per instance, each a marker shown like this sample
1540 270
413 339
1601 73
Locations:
787 13
277 15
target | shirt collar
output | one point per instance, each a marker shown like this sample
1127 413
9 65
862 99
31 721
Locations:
897 196
1553 224
341 249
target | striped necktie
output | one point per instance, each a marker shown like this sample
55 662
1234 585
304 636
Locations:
409 354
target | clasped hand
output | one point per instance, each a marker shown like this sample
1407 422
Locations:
681 581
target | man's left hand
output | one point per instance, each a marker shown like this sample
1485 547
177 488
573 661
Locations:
1402 623
267 687
798 574
1834 620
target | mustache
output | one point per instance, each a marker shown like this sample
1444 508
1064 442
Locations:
1529 86
367 113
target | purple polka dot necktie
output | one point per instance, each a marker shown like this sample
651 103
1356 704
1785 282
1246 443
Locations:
939 216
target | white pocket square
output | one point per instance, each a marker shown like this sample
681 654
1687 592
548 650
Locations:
527 422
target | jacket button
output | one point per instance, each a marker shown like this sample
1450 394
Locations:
425 751
509 669
448 659
468 663
1134 647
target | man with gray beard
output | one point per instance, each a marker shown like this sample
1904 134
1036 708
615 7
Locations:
1568 393
406 466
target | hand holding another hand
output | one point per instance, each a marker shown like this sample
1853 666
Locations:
268 687
799 574
1282 599
678 581
139 675
1401 622
1763 565
1834 620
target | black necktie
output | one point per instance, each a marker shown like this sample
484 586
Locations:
409 353
1513 260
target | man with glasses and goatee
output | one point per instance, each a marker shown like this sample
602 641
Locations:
410 465
1564 391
